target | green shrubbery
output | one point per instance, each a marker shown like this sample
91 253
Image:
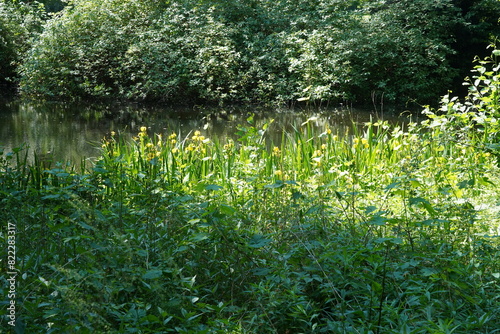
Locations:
258 51
136 53
383 230
19 25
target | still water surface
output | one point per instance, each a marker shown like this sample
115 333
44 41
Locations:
73 131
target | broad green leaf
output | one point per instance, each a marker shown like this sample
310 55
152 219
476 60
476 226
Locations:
213 187
199 237
226 209
258 241
377 221
152 274
277 184
428 271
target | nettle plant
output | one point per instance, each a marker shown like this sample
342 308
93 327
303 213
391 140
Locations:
475 121
373 230
337 231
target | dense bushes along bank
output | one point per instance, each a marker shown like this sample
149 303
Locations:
385 230
216 51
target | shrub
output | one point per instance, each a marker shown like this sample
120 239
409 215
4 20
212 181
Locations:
216 51
19 24
131 50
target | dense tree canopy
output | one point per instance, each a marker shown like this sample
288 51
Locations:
19 24
259 50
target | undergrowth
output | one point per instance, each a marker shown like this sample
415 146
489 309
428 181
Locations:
389 229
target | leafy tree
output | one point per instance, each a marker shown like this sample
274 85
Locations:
8 52
19 24
131 49
403 49
215 51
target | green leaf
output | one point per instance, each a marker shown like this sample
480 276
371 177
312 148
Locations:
199 237
297 195
213 187
416 183
465 184
429 271
313 209
142 252
44 281
85 226
369 209
258 241
226 209
277 184
377 221
194 221
395 241
261 271
422 202
393 185
152 274
54 196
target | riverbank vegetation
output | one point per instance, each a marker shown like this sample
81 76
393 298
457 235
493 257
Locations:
387 229
194 51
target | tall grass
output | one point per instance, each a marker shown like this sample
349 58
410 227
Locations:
386 165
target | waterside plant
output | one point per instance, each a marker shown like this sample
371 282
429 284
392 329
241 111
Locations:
389 229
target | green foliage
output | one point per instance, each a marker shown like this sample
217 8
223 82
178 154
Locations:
130 50
216 51
19 24
385 229
479 26
404 49
475 120
7 51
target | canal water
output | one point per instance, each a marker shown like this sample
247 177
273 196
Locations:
70 132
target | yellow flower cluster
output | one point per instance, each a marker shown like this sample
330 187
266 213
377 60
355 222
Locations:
143 132
363 142
316 158
228 147
276 151
481 157
198 143
198 137
151 151
317 153
146 144
173 138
